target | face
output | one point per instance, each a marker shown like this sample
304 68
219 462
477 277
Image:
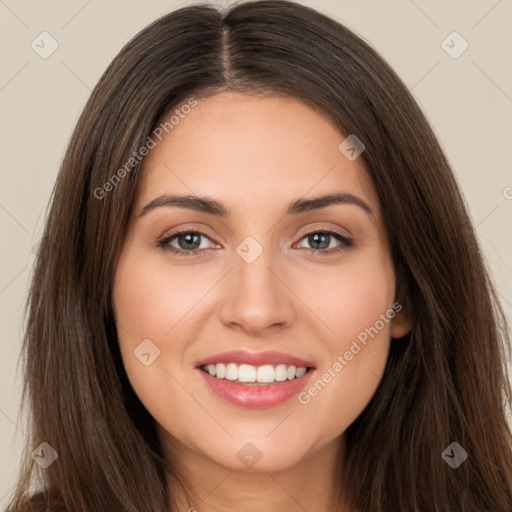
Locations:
260 269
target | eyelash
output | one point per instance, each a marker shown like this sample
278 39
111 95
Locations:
346 243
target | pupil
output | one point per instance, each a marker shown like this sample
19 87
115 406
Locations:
315 237
191 239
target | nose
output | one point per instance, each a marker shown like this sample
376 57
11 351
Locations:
257 298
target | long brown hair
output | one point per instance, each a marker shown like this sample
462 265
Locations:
444 382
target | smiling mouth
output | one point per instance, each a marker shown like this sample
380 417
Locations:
247 374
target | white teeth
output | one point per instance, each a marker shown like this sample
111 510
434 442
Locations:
246 373
249 373
231 371
221 370
290 374
300 372
281 373
265 373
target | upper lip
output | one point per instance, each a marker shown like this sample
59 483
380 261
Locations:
273 357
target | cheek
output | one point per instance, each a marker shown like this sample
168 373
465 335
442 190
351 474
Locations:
152 305
349 297
151 298
356 310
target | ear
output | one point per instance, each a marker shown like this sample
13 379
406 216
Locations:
401 324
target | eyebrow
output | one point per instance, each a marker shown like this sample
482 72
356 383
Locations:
207 205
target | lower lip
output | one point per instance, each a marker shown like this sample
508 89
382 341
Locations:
256 396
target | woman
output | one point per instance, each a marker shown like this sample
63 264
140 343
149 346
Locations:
259 287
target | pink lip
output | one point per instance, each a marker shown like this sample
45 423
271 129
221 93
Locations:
255 358
256 396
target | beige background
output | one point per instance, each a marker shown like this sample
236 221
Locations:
468 100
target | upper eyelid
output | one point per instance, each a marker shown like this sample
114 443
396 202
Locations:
322 230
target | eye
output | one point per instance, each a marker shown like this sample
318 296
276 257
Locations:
323 242
185 243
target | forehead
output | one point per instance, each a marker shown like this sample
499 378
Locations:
251 150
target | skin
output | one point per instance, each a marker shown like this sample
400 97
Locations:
255 155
